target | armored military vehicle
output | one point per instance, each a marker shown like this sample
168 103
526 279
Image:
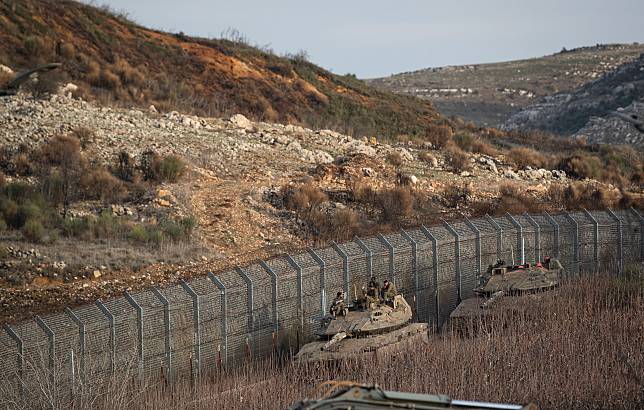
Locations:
500 282
348 395
380 328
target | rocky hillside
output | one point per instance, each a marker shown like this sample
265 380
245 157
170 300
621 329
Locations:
117 62
255 189
488 94
587 111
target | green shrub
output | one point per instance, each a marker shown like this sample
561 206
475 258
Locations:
78 227
138 234
33 231
464 140
9 210
169 168
3 225
107 225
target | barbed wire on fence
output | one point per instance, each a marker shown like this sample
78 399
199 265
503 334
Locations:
217 321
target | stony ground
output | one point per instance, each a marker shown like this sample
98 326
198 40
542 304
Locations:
236 168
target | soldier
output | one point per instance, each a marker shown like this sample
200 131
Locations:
389 292
373 288
338 308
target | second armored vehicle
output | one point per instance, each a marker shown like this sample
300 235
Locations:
503 280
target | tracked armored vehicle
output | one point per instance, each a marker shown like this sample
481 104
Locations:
380 328
348 395
502 289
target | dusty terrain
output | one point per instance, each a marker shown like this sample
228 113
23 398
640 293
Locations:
237 169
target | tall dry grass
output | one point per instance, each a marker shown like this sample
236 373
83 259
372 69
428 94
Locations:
579 347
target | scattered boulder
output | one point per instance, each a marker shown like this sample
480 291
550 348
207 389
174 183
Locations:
356 147
5 69
241 122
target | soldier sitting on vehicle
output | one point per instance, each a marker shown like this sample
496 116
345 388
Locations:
338 308
389 292
373 292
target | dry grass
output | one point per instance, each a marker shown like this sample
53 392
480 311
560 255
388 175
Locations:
579 347
524 157
458 159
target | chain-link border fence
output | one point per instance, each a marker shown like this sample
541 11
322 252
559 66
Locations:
220 320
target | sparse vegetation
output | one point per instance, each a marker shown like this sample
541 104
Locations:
587 328
458 159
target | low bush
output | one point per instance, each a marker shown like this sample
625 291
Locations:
457 194
458 159
463 140
33 231
168 169
582 166
304 199
138 234
102 185
395 204
524 157
395 158
362 192
438 135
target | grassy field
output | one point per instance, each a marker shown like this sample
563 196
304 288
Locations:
580 347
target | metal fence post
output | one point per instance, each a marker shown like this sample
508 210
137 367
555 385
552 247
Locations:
250 302
276 326
641 218
520 241
575 241
300 296
457 259
366 250
595 238
414 267
20 359
620 243
52 351
345 269
392 255
139 330
478 244
81 339
224 312
537 237
499 236
320 262
110 319
555 226
432 238
167 331
196 312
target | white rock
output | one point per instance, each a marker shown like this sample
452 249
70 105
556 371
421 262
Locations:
406 155
68 88
241 122
5 69
153 109
358 147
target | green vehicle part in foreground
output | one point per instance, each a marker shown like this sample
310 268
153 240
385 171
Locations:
348 395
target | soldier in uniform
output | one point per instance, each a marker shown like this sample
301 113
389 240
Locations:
373 288
338 308
389 291
373 291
